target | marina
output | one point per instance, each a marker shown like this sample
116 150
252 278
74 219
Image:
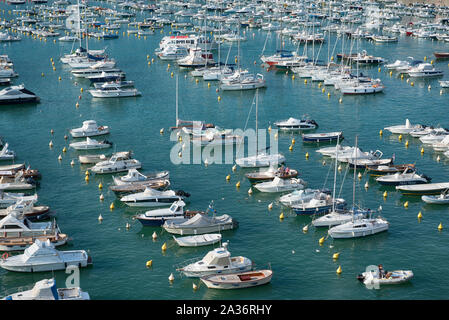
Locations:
94 154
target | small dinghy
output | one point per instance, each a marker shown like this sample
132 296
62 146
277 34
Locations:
293 124
271 173
238 280
443 198
135 176
199 240
372 278
280 185
323 137
90 144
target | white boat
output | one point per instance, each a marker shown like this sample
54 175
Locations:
435 136
114 92
442 145
243 82
444 83
280 185
238 280
17 183
293 124
372 278
331 151
90 144
119 162
18 232
362 87
157 217
199 240
46 290
424 189
217 261
135 176
403 178
403 128
442 198
173 53
298 196
337 217
359 228
42 256
90 128
397 64
17 94
151 198
424 70
196 58
6 154
8 199
200 224
68 39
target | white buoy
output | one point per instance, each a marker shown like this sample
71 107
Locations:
128 225
101 197
72 163
100 218
154 236
270 206
171 277
250 191
366 185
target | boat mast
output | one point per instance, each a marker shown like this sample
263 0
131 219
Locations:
257 134
177 120
335 174
353 185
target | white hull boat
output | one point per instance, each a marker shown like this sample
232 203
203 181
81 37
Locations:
358 228
199 240
90 144
238 280
89 129
372 278
200 224
151 198
280 185
403 129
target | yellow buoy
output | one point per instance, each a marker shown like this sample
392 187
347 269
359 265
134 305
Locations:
380 132
290 148
419 215
321 241
324 90
402 77
305 229
269 129
196 80
336 255
81 90
293 141
391 73
440 227
149 263
237 184
228 177
385 194
307 155
100 186
86 178
406 204
164 246
412 83
112 206
219 98
293 77
406 144
379 70
422 150
400 137
328 94
64 149
339 270
425 58
281 216
208 84
305 81
87 173
340 100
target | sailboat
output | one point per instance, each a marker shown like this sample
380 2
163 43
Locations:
360 227
261 159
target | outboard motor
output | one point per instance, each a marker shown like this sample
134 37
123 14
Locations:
361 278
182 193
426 177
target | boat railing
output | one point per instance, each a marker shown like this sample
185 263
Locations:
179 266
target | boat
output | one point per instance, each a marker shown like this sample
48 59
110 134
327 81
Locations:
90 144
323 137
17 95
27 209
135 187
320 203
242 82
397 64
17 183
407 177
359 228
378 170
200 224
173 53
442 145
95 158
238 280
424 189
114 92
358 86
19 233
153 198
90 128
105 77
42 256
442 198
198 240
46 290
135 176
157 217
444 83
6 154
195 59
372 278
441 55
299 196
270 174
280 185
424 70
403 128
292 124
119 162
8 199
217 261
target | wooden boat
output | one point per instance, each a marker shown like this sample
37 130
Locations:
323 137
270 174
238 280
199 240
423 189
441 55
140 187
382 169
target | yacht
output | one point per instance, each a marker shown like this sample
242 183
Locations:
46 290
359 228
42 256
293 124
16 95
196 58
114 92
90 144
280 185
90 128
153 198
119 162
424 70
173 53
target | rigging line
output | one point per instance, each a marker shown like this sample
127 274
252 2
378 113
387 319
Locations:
246 123
342 183
327 176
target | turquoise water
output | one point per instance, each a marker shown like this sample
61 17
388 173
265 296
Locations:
119 255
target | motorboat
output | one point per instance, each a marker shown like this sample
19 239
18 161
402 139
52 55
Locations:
404 178
135 187
8 199
90 144
238 280
119 83
280 185
198 240
46 290
105 77
427 131
153 198
25 172
90 128
42 256
378 170
442 145
444 83
359 228
27 209
397 64
6 154
373 277
442 198
114 92
243 82
320 203
403 128
119 162
200 224
300 196
195 59
323 137
135 176
17 183
18 232
173 53
16 95
332 151
424 189
270 174
435 136
217 261
292 124
157 217
424 70
362 87
260 160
